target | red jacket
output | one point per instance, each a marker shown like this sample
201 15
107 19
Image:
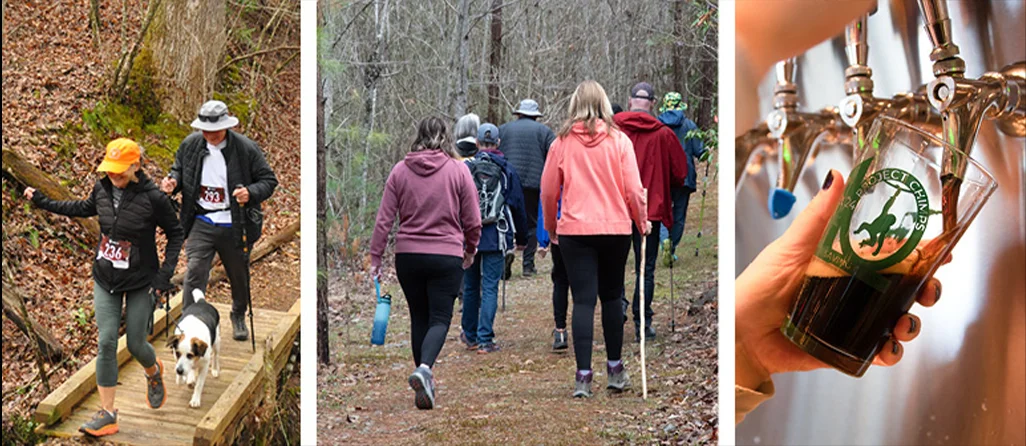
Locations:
661 161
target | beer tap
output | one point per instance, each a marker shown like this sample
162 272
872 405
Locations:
860 108
964 103
798 134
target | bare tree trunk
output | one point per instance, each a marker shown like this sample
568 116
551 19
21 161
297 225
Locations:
372 76
323 348
127 60
459 63
187 42
678 46
495 62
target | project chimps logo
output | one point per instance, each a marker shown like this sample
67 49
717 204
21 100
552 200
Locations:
881 219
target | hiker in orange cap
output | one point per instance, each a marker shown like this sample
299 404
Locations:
126 270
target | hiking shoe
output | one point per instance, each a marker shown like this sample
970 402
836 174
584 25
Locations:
155 393
103 423
650 332
559 340
529 271
423 382
667 253
582 385
618 379
488 347
465 341
239 331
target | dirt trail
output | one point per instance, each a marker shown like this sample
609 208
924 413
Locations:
521 395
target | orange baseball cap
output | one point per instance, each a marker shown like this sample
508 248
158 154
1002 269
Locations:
121 154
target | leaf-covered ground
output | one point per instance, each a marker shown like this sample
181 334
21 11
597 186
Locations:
521 395
53 73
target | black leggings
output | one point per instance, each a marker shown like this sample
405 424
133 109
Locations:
595 267
560 288
430 283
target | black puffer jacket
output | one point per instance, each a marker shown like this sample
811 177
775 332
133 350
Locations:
525 143
246 165
143 208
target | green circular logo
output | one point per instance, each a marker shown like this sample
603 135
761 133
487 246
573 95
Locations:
889 213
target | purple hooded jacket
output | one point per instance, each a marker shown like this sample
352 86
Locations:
436 201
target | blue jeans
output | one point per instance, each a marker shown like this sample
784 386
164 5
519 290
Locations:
480 296
680 197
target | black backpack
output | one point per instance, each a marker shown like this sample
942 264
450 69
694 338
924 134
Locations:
490 181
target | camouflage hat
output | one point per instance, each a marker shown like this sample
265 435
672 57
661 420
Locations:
673 101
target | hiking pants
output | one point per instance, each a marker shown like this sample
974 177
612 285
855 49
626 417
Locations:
481 297
560 287
531 197
651 254
138 306
203 241
595 269
430 283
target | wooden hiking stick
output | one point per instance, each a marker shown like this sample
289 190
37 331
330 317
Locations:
641 298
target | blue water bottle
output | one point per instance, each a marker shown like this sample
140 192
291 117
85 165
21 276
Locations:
381 315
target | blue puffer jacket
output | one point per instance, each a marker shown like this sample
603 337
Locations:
515 209
693 147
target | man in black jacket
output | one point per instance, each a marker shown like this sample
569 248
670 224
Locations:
208 165
525 143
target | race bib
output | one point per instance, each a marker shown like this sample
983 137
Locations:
211 197
115 251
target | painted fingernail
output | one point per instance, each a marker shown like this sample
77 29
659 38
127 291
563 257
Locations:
829 180
895 347
912 325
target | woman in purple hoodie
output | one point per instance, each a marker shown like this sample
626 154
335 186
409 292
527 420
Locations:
439 227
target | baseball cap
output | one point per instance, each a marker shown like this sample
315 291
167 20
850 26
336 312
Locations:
121 153
488 133
643 87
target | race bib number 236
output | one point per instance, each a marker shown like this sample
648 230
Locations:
115 251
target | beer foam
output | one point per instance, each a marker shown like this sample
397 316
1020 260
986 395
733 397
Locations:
819 268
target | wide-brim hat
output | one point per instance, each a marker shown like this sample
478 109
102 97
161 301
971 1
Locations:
528 107
213 116
121 154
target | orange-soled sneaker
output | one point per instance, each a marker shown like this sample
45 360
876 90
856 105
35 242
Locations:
156 395
103 423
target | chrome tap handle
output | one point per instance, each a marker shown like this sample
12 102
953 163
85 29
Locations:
855 41
938 26
785 71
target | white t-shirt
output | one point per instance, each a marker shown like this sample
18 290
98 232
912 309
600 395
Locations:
214 192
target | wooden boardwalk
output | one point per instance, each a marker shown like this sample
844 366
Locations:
226 399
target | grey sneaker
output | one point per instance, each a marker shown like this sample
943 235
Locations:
423 382
487 347
155 387
618 379
582 385
103 423
559 340
239 331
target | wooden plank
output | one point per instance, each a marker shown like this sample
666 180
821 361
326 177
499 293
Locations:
229 407
60 402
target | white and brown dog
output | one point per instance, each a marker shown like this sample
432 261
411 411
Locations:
197 345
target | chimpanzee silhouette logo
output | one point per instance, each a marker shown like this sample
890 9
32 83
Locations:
900 221
881 226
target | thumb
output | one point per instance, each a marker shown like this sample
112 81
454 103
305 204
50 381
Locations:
802 237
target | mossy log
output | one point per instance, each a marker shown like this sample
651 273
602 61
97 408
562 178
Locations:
31 176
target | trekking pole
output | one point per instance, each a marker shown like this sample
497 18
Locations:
245 254
701 209
673 300
504 281
641 297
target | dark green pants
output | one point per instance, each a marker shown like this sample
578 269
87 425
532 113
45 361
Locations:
138 306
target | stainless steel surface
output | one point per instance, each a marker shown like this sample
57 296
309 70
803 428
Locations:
963 380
